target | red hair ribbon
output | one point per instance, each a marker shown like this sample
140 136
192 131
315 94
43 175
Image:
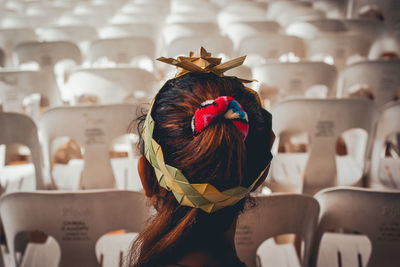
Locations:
223 105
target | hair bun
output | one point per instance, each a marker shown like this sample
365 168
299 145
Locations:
224 105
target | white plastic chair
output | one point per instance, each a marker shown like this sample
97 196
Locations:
389 9
2 58
121 50
275 215
148 30
367 27
272 45
294 78
46 54
311 28
75 34
236 13
111 85
299 14
381 76
276 8
369 212
387 43
383 170
20 129
9 38
239 31
324 120
76 220
340 46
33 82
94 127
216 43
93 20
172 32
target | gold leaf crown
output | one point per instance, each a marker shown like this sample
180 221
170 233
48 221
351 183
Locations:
204 63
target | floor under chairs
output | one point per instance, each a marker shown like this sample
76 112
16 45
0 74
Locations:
95 127
320 123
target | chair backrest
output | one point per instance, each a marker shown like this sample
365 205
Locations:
324 120
389 8
30 82
111 85
367 27
388 123
75 34
75 219
381 76
188 29
20 129
241 30
148 30
121 50
369 212
339 45
275 215
294 78
94 127
2 58
311 28
215 43
47 54
9 38
272 45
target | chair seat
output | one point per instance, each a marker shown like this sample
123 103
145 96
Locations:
112 245
48 253
67 177
350 247
271 254
17 177
389 172
287 171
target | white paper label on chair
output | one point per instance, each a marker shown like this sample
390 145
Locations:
94 136
243 235
325 129
75 230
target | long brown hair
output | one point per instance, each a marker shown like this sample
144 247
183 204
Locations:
217 156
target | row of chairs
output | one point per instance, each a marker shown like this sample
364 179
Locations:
78 220
323 121
377 80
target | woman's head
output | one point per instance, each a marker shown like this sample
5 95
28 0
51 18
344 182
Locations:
218 155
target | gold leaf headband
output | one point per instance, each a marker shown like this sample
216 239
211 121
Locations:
203 196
